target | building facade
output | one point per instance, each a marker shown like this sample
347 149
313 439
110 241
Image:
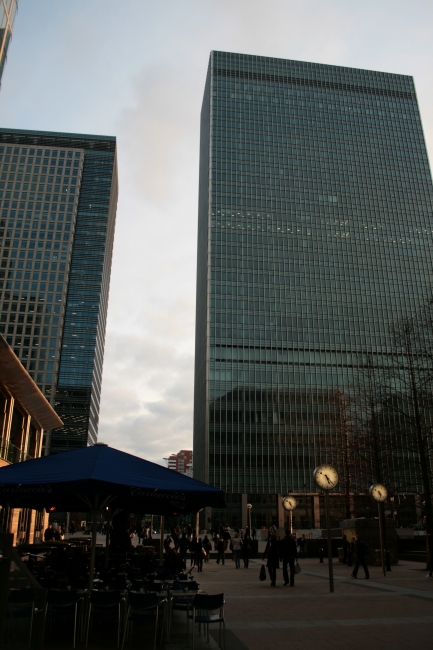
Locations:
58 196
314 234
8 10
24 414
181 462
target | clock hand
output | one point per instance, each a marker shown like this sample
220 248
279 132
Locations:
326 476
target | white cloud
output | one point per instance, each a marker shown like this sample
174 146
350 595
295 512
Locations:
137 69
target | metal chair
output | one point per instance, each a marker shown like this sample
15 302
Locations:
144 608
202 608
21 604
181 603
100 602
59 607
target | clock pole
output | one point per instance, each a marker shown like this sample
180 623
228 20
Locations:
291 521
328 526
379 493
382 552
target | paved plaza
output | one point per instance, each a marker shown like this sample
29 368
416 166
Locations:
377 614
389 613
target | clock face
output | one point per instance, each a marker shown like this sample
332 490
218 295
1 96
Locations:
326 477
289 503
379 492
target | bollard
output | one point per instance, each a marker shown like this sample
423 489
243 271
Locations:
321 555
349 557
388 560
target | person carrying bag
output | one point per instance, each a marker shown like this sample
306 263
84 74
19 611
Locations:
289 555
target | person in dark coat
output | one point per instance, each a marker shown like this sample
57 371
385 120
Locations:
361 550
220 550
227 538
246 551
193 549
199 555
289 553
49 533
167 544
273 555
207 547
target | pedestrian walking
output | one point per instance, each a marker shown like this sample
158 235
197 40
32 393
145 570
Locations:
207 547
246 551
220 550
192 549
289 553
227 538
253 533
361 550
237 549
199 555
273 555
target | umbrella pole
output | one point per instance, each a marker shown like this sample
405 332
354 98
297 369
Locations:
107 539
95 514
161 542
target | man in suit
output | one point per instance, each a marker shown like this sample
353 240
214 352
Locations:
289 553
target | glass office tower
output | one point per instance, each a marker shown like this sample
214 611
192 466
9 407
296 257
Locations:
8 10
314 233
58 197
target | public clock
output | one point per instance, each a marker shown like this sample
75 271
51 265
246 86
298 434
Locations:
289 503
326 477
378 492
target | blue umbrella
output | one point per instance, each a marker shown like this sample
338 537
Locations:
94 478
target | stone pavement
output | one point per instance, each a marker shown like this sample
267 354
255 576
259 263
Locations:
395 612
380 613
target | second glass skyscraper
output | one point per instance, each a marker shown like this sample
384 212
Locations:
315 233
58 197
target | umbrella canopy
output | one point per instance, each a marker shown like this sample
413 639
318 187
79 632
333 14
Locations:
100 476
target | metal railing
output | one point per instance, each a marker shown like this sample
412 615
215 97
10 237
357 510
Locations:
10 453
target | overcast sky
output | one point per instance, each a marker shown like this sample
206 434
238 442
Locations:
136 69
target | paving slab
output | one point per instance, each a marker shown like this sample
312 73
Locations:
380 613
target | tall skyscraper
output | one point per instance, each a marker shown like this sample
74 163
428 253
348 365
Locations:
8 10
314 234
58 196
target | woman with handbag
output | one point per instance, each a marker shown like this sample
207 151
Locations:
273 555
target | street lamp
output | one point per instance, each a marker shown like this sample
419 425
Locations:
249 508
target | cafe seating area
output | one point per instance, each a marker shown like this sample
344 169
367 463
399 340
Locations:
134 601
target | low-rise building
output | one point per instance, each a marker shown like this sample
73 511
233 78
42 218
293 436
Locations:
24 415
181 462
